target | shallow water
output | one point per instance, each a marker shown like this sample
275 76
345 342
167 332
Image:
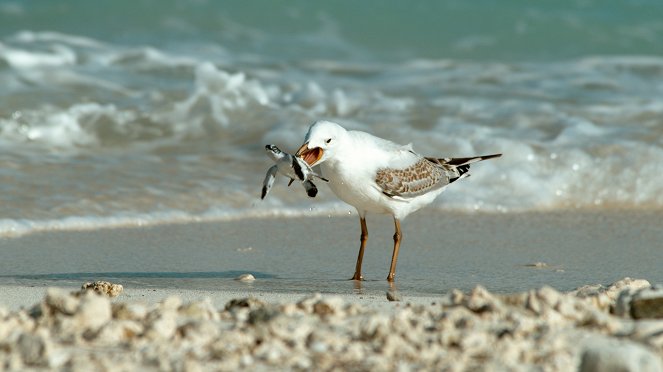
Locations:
154 112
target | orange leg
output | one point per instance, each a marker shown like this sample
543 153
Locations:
397 246
360 257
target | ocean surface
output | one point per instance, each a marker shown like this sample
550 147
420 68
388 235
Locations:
154 111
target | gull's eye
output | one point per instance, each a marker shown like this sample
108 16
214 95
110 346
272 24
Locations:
328 140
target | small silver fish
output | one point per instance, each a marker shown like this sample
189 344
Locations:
291 167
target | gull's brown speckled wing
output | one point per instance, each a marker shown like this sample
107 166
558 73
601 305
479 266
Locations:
415 180
425 175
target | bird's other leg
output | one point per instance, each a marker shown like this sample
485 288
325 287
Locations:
397 246
363 240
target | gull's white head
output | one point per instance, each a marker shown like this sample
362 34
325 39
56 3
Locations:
322 140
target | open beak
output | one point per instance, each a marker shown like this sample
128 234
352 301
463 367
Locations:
310 156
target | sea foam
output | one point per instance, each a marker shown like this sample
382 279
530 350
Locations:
98 134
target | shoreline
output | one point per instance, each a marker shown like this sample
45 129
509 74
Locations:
16 230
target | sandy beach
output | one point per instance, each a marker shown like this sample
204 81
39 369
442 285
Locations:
448 262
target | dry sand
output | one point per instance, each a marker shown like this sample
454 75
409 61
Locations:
593 329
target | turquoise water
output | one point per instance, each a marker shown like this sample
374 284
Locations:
141 112
352 31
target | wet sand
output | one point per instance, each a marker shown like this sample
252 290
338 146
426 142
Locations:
298 256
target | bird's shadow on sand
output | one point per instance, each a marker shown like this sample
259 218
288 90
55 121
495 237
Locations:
231 274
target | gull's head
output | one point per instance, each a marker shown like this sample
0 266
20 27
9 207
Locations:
321 142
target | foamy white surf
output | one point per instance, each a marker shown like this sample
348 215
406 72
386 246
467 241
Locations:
100 134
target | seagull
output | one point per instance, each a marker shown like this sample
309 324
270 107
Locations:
379 176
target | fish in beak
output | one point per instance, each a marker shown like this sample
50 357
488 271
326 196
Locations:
310 156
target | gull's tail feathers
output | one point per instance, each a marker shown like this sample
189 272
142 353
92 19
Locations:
466 161
460 166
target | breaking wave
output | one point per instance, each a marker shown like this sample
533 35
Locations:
101 134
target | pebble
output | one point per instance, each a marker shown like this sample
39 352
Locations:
647 303
540 329
33 349
246 278
248 302
393 296
60 301
611 355
93 312
162 326
103 288
129 311
538 265
329 306
648 331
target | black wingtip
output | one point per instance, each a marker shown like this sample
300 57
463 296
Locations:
492 156
452 180
264 193
463 169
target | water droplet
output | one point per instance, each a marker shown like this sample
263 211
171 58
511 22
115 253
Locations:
553 156
349 212
575 167
530 157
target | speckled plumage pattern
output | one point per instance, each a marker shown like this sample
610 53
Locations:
414 180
